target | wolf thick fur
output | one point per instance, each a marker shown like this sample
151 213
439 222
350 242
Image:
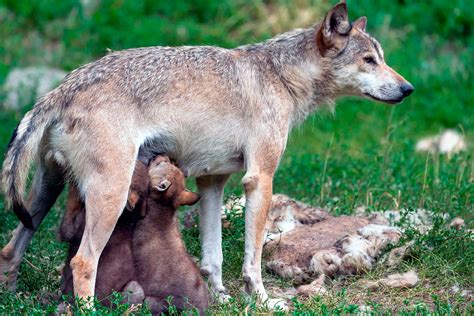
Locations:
214 111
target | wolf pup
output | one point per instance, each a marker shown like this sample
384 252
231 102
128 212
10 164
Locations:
145 257
214 111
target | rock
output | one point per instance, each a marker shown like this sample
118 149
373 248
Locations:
24 85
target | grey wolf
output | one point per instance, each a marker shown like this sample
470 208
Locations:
214 111
145 254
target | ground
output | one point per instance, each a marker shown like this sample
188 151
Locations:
363 154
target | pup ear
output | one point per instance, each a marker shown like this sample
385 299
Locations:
360 23
188 198
132 200
334 30
162 186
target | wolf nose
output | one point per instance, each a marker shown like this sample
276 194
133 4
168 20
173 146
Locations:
406 89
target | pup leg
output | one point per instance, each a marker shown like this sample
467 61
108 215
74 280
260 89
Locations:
211 189
70 230
105 198
71 226
47 185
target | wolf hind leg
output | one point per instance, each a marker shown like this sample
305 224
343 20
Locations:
48 183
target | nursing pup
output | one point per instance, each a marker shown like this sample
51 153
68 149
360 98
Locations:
145 257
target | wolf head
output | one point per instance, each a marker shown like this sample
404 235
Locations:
167 183
357 59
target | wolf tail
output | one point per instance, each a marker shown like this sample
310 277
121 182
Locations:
23 149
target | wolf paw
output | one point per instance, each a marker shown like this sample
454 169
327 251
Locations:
221 297
276 304
8 273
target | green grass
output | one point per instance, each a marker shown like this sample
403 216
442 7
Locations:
362 155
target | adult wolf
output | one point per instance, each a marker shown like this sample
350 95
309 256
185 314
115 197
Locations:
214 111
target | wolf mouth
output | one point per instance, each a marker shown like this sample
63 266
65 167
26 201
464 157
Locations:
390 101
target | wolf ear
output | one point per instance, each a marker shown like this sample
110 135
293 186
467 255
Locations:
334 30
360 23
188 198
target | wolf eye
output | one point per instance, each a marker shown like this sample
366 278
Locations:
370 60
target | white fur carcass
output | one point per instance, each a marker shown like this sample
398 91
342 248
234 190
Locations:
324 246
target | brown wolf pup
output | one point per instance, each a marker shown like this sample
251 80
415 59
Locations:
214 111
145 254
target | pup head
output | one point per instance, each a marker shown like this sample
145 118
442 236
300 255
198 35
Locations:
357 59
167 184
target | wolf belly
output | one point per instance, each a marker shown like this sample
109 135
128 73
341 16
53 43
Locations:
200 153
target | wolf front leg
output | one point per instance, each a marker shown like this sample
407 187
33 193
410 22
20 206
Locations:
258 192
211 189
258 183
106 192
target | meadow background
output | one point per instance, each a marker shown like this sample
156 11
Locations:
362 155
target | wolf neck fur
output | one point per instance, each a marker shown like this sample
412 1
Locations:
305 74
